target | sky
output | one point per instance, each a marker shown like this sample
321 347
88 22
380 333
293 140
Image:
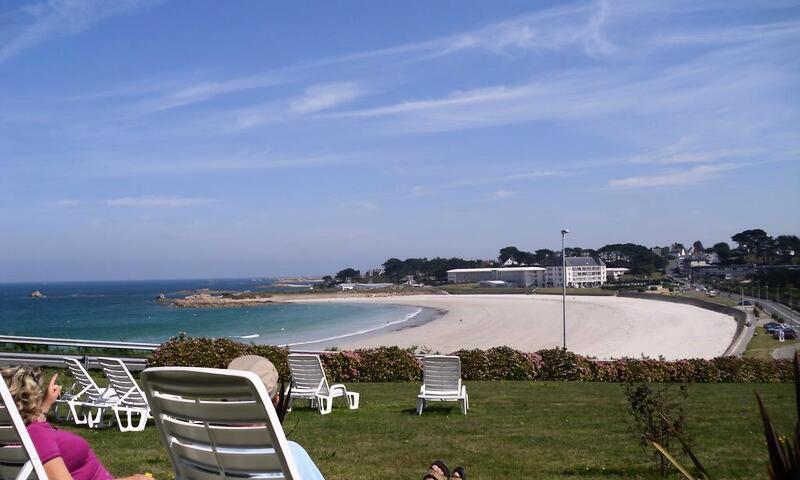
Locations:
170 139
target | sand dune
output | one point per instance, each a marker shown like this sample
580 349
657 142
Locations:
604 327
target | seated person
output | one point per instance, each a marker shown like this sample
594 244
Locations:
439 471
268 374
64 455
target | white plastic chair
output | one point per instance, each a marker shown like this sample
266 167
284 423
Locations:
18 457
309 382
218 424
442 382
89 405
131 398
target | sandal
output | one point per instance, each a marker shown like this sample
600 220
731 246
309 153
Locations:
462 474
434 475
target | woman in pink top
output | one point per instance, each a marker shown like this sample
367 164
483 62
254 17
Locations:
64 455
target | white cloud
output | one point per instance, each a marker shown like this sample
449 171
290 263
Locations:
59 18
694 175
156 202
501 194
323 97
65 202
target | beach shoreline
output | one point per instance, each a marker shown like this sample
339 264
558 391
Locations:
601 327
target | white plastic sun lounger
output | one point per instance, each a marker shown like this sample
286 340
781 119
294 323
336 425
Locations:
442 382
18 457
131 398
89 405
218 424
309 382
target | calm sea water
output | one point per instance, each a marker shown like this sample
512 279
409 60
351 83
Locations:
128 311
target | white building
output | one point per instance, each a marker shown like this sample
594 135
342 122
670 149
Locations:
615 274
512 276
582 272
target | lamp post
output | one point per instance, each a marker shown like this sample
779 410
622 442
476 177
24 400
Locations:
564 289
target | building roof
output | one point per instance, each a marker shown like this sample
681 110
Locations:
579 262
508 269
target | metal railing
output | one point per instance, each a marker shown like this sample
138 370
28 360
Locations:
56 358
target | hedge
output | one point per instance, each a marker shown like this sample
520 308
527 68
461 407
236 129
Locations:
394 364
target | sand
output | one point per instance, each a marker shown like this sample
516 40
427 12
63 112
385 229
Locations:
603 327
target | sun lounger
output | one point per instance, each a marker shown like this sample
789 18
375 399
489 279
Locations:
90 404
131 398
309 382
18 457
442 382
218 424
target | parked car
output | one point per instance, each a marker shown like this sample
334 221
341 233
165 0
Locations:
745 303
770 326
788 334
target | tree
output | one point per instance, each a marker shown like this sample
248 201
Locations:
394 268
723 250
348 274
752 241
698 247
785 244
506 253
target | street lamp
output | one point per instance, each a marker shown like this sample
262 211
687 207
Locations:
564 289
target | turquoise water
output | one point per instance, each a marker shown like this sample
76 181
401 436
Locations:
127 311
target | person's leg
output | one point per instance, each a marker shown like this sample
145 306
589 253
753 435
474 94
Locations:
307 469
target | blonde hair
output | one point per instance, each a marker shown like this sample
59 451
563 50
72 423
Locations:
25 385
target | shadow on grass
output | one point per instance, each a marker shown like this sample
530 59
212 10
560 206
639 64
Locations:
606 472
437 410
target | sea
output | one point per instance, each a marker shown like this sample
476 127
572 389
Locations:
128 311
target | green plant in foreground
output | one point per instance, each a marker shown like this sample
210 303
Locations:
784 452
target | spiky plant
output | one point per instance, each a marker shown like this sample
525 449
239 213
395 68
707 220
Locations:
784 451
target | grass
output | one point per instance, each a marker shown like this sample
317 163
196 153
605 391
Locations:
601 292
762 344
543 430
728 302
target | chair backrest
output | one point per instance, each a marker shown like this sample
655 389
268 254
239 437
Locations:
85 381
217 424
123 383
442 373
18 457
307 373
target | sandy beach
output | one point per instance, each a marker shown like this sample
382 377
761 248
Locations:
603 327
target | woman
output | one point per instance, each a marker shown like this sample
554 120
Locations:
64 455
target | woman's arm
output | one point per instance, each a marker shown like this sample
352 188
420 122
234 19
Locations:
51 395
56 469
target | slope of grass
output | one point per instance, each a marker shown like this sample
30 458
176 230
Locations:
542 430
762 344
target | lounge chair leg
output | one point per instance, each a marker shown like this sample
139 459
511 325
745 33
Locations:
420 406
353 400
325 404
463 406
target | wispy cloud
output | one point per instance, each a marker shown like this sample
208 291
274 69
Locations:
65 202
323 97
59 18
157 202
694 175
501 194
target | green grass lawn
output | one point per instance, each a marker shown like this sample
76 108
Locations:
762 344
728 302
576 291
514 430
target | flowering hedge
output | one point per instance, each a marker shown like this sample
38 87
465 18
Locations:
394 364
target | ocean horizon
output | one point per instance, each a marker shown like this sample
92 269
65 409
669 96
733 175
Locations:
128 311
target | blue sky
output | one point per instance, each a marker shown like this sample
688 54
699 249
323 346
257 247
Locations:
147 139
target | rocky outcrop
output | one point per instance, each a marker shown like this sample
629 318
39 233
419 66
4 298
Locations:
206 300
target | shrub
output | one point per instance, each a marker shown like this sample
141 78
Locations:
560 364
388 364
499 363
393 364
